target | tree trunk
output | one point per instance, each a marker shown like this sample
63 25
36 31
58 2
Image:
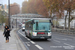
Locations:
65 20
69 20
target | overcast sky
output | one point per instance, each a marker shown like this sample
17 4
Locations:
12 1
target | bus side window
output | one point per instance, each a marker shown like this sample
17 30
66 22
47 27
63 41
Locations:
36 25
29 26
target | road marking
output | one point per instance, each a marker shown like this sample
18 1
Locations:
63 39
32 42
28 39
68 36
39 47
57 41
57 38
66 39
25 37
21 33
28 44
68 44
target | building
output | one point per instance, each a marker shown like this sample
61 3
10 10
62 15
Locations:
4 8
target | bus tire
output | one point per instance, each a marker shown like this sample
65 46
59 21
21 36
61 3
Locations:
46 39
30 36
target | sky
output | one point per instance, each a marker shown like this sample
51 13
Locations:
12 1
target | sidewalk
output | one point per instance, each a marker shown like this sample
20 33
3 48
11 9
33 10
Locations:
13 44
8 46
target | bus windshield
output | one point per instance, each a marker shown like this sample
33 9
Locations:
45 26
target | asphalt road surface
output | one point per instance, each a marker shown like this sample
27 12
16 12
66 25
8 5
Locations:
58 42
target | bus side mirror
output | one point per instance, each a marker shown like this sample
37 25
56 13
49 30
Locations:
32 22
50 21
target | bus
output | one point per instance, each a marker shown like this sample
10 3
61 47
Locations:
38 29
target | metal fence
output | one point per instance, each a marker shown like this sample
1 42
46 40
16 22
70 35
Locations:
66 31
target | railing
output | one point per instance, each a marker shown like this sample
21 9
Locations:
66 31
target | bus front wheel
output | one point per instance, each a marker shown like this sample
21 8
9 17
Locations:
30 37
26 34
45 38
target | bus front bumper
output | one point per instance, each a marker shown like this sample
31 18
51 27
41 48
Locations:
41 37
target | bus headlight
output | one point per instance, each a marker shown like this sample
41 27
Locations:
34 33
49 34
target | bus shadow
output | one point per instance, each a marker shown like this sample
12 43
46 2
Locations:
41 40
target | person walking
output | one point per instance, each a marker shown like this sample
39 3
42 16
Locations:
6 33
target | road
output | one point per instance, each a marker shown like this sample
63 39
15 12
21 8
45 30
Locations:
58 42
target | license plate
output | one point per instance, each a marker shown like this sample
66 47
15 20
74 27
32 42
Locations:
42 37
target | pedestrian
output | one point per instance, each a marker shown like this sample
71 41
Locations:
6 33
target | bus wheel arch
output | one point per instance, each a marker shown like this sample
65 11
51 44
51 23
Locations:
30 36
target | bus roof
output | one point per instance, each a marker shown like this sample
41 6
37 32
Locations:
39 20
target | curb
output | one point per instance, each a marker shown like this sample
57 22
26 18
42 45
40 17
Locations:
20 45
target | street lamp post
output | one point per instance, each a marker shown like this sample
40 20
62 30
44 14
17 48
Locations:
9 13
